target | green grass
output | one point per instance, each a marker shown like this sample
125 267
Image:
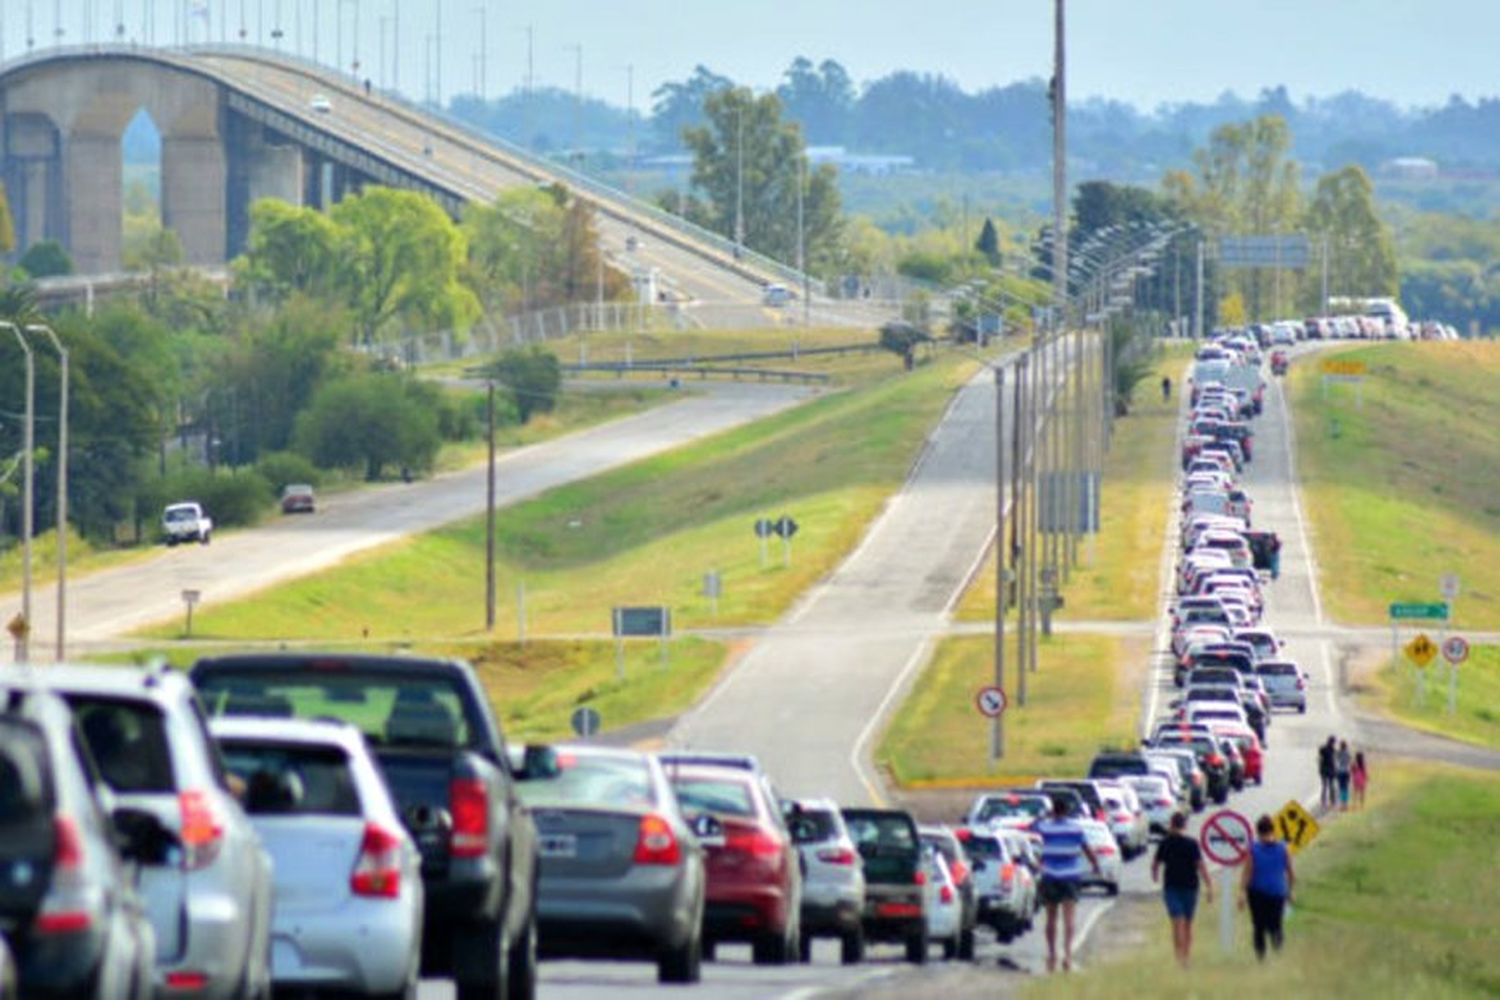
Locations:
1082 697
1403 489
534 689
1393 902
642 534
1118 580
1477 719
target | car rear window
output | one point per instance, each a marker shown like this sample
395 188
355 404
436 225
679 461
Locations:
1113 767
292 779
25 783
882 833
812 826
981 848
391 709
128 742
1006 807
1277 669
724 796
586 779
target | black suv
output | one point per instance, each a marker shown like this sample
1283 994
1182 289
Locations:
895 884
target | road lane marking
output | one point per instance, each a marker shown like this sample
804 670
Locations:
856 755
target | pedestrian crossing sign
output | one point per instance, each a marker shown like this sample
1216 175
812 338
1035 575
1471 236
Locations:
1296 826
1421 650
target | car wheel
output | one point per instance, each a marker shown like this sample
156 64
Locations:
916 946
521 975
852 947
205 537
966 945
771 949
804 949
1113 888
171 543
1302 709
950 949
480 961
682 965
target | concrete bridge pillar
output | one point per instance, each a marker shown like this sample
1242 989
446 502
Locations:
93 181
33 178
262 164
194 200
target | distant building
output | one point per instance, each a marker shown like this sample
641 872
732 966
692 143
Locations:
1411 168
874 164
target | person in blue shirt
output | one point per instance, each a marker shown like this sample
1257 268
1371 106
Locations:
1266 882
1064 846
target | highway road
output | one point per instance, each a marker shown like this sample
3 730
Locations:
110 603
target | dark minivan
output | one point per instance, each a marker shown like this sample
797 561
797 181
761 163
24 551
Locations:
895 884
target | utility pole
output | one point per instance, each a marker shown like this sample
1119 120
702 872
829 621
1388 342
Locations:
62 487
1017 518
489 513
23 643
1324 311
483 85
437 62
1059 165
997 724
1198 301
802 235
1032 545
739 183
577 50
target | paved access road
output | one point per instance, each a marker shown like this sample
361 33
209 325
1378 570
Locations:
108 604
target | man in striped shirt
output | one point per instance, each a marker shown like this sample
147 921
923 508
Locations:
1064 846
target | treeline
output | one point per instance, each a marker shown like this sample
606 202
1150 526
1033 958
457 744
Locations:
187 393
931 118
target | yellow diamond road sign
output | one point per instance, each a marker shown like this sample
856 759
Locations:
1421 650
1296 826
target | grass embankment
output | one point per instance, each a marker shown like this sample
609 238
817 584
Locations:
1118 581
535 688
1085 694
644 534
1403 489
1395 901
1393 690
575 411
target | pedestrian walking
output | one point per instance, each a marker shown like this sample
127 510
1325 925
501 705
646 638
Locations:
1327 774
1361 778
1344 767
1166 388
1179 867
1274 547
1064 846
1266 884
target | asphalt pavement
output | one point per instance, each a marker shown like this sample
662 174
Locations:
108 604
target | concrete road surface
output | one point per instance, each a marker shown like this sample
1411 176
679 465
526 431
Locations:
110 603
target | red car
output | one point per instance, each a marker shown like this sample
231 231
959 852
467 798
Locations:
1279 362
754 876
297 499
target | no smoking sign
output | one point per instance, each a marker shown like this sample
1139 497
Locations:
1226 837
990 701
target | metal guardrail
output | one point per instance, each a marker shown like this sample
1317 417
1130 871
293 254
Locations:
702 371
791 354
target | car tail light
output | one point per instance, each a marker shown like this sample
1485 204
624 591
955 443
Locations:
946 894
184 980
920 877
378 870
1105 849
62 910
837 855
1165 802
1301 684
1007 875
755 842
1215 760
656 844
202 833
469 802
959 871
1099 815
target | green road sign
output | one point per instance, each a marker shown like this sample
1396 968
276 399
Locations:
1431 612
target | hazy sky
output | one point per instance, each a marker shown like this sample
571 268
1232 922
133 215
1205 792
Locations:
1142 51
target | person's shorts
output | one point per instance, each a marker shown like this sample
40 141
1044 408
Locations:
1181 903
1057 890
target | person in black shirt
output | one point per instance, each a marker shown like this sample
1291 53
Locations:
1179 859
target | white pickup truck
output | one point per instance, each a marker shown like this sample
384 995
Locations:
186 522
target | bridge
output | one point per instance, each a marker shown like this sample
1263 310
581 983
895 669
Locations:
239 123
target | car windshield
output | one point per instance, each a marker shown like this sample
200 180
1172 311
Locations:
1111 767
392 709
591 780
724 796
877 834
980 848
1013 806
288 779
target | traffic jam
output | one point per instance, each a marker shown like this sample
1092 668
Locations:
316 822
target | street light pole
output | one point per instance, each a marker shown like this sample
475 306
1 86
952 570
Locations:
483 84
1017 519
23 642
489 515
739 182
62 487
997 722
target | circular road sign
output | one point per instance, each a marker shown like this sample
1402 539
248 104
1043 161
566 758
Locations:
990 701
1226 837
585 721
1455 649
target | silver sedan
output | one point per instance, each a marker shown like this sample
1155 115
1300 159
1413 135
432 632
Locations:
348 880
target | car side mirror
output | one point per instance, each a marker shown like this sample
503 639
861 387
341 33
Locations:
141 837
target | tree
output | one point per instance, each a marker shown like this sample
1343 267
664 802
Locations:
7 224
400 255
820 97
989 242
678 106
532 377
370 421
291 249
1361 251
748 163
46 259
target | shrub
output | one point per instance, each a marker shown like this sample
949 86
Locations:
281 468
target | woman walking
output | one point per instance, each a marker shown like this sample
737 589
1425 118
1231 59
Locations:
1182 859
1343 767
1266 885
1360 776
